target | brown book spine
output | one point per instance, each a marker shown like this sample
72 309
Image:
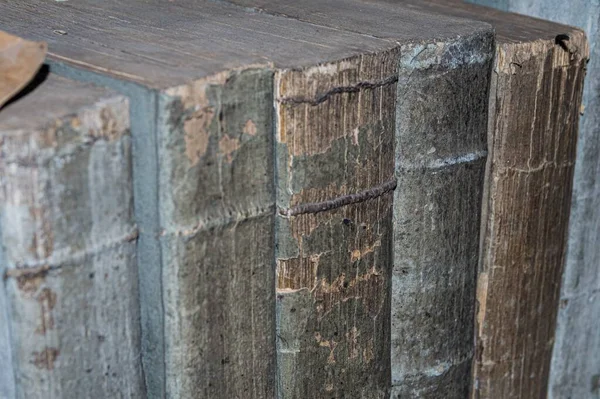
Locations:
534 110
335 132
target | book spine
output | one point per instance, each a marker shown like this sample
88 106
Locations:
575 361
335 178
441 144
68 256
534 110
216 213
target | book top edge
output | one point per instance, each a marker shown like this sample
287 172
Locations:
162 44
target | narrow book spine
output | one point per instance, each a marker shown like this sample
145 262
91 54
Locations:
334 144
441 153
216 213
534 110
68 255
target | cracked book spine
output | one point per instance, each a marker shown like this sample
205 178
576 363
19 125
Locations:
69 325
534 110
441 154
335 179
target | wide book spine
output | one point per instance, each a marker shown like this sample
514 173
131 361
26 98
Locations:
335 179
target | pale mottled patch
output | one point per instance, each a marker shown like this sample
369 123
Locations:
228 146
250 128
197 133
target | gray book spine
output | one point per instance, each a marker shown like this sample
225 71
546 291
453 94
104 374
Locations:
204 203
217 214
68 246
441 154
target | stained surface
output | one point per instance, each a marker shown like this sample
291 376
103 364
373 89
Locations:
520 253
203 170
69 244
333 267
217 208
208 192
297 276
216 174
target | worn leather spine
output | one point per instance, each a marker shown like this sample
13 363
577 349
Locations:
534 106
441 151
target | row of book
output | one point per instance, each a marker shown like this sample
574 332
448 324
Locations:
294 199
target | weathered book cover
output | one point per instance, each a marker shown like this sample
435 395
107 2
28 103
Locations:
527 214
335 110
70 319
536 92
441 146
440 151
534 105
575 367
335 184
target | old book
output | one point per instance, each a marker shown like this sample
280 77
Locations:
440 110
532 132
69 319
207 182
575 367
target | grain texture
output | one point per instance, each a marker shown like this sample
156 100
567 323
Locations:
68 244
575 368
440 154
198 76
527 213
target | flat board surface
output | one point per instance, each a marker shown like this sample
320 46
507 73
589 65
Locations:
376 19
162 44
